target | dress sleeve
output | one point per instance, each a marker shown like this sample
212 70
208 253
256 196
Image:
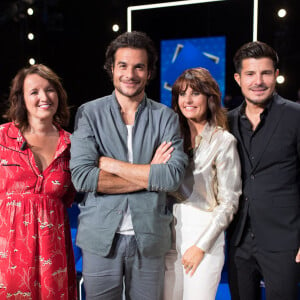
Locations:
229 188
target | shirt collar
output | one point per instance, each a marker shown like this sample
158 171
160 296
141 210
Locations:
263 114
17 139
117 105
206 134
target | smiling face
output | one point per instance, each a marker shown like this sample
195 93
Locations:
193 105
257 80
130 73
40 97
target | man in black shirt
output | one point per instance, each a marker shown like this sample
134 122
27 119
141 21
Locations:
264 237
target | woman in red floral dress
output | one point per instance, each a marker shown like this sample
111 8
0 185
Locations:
36 255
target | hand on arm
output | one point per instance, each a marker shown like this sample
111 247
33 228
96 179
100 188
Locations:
117 177
191 259
162 153
298 256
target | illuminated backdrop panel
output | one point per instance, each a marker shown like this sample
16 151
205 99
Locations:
180 54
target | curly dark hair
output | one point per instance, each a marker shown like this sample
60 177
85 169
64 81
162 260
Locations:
254 50
199 80
135 40
17 111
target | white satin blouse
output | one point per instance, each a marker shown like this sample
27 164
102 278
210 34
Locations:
213 181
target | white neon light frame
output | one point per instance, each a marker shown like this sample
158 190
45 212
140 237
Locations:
130 9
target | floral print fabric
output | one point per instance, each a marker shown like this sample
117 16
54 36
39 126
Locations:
36 255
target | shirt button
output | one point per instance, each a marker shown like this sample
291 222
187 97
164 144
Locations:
252 176
252 157
246 199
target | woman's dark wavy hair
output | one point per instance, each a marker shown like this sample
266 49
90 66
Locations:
254 50
199 80
135 40
17 111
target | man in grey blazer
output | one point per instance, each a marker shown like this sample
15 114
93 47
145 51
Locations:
126 153
265 234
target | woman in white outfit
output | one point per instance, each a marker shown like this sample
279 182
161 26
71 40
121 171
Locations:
208 197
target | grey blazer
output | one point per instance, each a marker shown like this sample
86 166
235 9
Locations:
100 131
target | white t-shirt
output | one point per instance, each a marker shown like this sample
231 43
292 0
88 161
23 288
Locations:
125 226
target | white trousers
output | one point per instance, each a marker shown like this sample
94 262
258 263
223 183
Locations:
189 223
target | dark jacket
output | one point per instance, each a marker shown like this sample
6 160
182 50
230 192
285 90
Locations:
273 184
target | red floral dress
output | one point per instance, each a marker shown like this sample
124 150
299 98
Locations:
36 255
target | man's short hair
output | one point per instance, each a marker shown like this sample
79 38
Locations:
135 40
254 50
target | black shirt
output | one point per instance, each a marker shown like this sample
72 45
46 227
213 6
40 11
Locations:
252 141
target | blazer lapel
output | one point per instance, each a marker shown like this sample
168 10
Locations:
269 128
